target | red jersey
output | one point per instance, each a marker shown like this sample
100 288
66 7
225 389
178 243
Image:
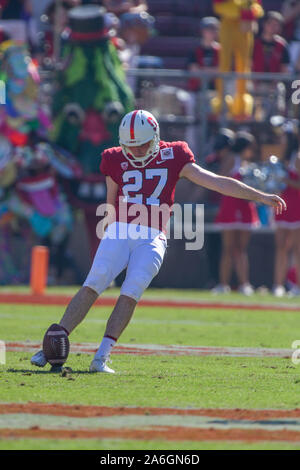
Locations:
145 195
235 213
270 56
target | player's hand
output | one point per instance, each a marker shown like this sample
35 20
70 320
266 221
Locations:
274 201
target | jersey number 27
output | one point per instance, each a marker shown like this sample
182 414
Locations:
137 184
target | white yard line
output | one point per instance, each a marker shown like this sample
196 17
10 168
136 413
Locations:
155 349
27 421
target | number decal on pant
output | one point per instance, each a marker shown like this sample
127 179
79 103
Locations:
137 182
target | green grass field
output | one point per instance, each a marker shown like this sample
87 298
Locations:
163 380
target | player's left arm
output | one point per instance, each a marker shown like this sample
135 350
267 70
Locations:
111 191
230 187
111 195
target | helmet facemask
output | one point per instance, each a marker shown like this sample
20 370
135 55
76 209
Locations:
141 162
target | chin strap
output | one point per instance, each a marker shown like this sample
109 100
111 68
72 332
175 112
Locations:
140 163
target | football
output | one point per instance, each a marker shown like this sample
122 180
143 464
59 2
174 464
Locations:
56 345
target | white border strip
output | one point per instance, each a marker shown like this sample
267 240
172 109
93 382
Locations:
155 349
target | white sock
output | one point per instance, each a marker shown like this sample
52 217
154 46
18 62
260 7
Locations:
105 347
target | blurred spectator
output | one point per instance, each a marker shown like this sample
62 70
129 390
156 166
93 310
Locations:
14 16
291 15
135 29
39 9
236 217
222 152
54 16
295 68
206 55
270 49
271 55
14 9
4 36
118 7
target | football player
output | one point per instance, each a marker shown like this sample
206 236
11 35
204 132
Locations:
143 172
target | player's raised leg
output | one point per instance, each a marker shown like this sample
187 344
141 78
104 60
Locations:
111 258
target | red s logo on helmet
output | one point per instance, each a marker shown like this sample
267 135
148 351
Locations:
152 122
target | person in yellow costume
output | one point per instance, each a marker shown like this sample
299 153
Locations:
238 19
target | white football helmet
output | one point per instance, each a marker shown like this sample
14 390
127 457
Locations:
137 128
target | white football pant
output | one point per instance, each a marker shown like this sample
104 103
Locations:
138 248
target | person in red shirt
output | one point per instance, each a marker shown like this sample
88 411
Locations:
204 57
270 49
235 218
206 54
291 14
141 174
270 55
